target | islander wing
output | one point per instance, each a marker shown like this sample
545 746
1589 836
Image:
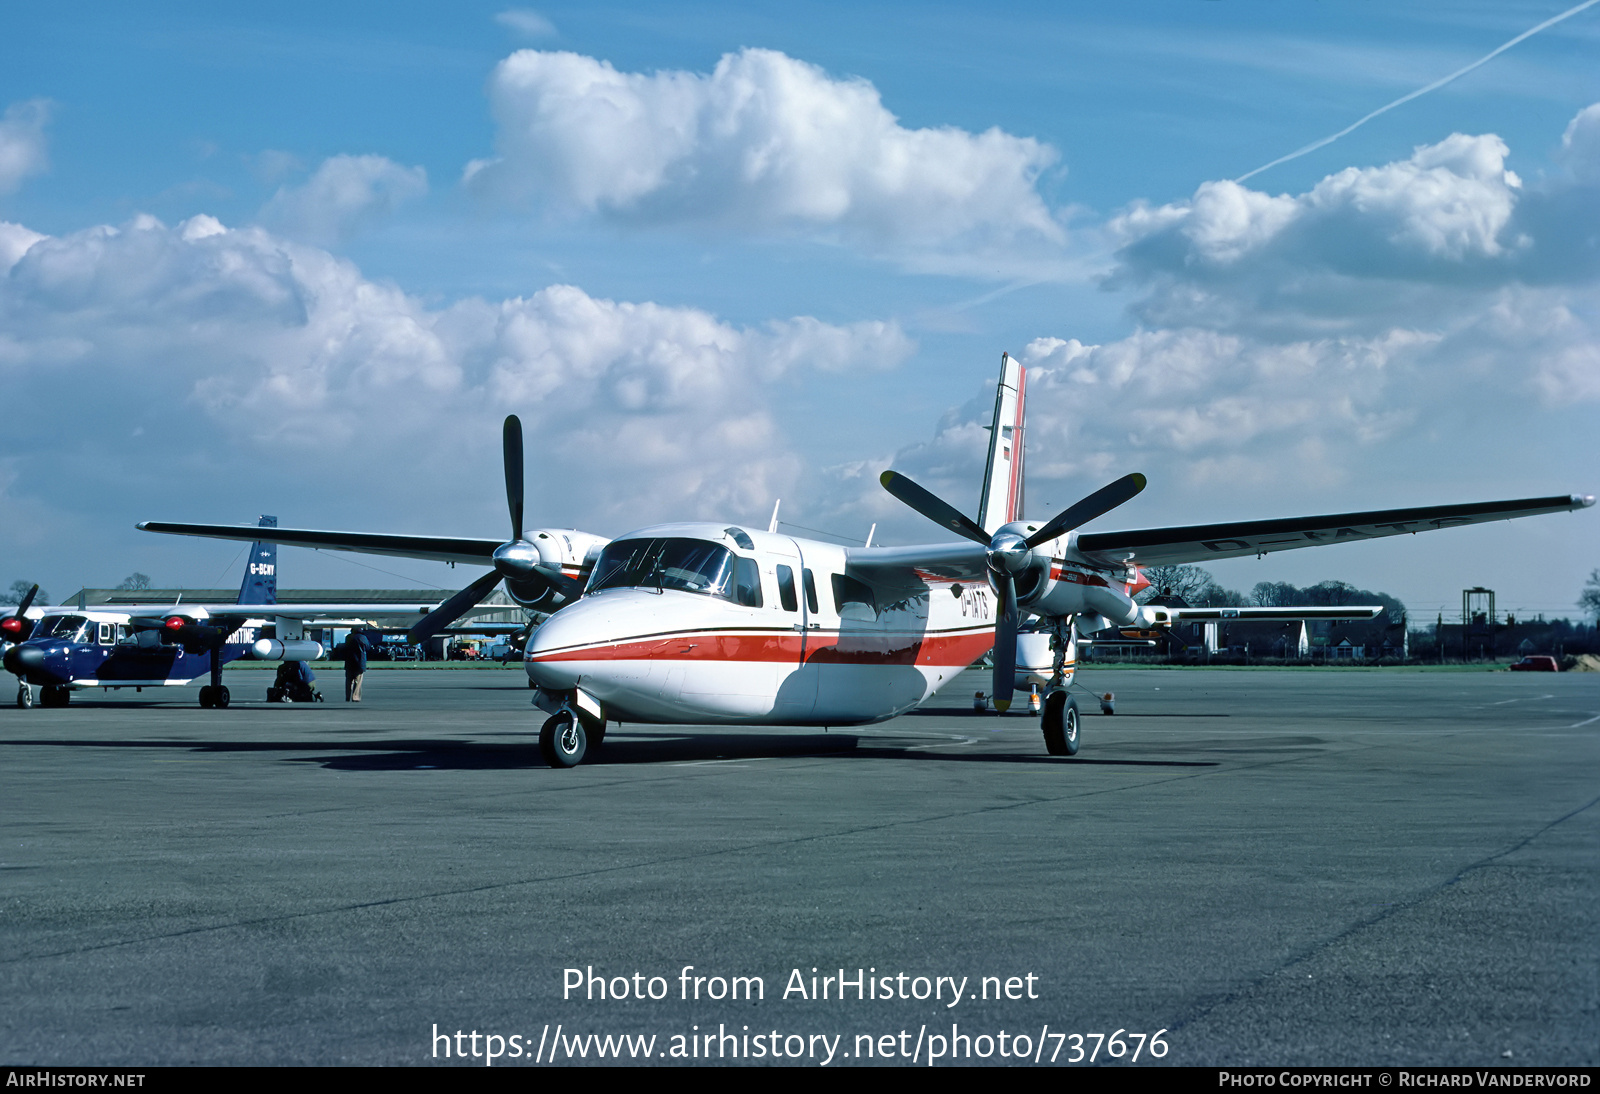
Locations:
1202 542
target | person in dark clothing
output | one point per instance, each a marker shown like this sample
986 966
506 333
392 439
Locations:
355 665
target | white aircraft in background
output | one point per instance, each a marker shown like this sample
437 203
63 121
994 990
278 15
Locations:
719 624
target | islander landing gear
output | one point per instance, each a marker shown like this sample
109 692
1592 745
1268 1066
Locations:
563 741
54 695
214 696
24 696
1060 724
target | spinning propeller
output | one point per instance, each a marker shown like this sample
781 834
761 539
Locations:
515 560
1010 554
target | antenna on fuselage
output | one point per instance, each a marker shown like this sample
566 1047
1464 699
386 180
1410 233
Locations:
870 533
772 525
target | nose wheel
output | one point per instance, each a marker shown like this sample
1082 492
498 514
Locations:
563 741
24 696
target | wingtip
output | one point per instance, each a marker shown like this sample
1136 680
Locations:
885 479
1582 501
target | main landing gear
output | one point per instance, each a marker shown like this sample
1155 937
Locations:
1060 724
55 695
214 696
1059 719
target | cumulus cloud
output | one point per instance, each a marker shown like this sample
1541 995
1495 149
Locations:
1306 341
345 195
239 347
1368 247
22 145
765 143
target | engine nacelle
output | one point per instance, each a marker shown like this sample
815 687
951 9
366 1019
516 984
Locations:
271 649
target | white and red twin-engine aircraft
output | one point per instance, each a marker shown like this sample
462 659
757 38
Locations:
714 624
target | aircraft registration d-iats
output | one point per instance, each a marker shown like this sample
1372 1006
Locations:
722 624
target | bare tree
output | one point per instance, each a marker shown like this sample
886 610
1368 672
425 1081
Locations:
135 580
1589 601
19 589
1188 582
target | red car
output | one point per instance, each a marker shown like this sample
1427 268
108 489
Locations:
1536 663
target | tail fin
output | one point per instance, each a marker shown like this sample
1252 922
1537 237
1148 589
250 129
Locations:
260 584
1002 478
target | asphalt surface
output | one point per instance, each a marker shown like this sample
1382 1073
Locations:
1273 867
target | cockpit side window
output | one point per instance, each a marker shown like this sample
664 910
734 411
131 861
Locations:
747 583
72 628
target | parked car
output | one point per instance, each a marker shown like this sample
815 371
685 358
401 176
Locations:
1538 662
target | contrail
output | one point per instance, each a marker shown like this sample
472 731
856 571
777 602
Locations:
1456 75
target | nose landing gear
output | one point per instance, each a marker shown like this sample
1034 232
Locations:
562 740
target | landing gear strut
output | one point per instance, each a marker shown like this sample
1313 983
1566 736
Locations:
1060 717
214 696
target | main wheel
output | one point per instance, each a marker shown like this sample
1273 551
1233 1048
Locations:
562 741
24 696
220 697
53 695
1060 724
205 696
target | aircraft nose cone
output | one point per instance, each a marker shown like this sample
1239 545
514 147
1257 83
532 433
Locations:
23 659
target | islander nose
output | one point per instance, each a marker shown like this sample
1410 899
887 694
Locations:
23 659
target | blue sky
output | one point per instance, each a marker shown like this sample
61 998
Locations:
302 261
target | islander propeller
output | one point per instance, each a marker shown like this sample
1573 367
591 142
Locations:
17 626
516 560
1010 554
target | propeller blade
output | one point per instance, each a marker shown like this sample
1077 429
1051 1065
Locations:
1005 647
1097 504
511 443
16 627
571 588
452 609
940 512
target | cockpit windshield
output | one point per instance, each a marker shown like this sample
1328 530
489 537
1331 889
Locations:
692 565
71 628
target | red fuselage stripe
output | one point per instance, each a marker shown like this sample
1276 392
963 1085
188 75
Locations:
819 649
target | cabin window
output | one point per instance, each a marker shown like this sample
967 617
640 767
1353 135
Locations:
811 591
786 593
853 600
105 632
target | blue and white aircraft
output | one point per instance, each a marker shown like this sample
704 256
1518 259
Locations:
67 649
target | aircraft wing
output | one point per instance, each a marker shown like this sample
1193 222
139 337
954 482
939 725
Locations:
1203 542
905 571
438 548
322 614
1271 615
